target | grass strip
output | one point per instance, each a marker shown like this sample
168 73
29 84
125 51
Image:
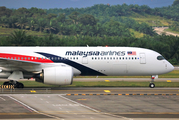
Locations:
33 84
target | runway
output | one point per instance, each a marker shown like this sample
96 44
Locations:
91 103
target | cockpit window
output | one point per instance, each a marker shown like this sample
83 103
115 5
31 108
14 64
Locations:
160 58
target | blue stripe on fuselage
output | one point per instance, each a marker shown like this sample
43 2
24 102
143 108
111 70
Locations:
84 70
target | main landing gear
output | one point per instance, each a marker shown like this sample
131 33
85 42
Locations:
15 83
152 85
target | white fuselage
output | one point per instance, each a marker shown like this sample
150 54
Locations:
112 61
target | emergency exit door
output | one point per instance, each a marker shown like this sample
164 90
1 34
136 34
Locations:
85 60
142 58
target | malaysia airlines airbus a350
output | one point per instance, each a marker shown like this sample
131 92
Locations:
58 65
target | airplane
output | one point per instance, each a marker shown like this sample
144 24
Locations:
58 65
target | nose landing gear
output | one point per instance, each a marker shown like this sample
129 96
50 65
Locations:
151 85
153 77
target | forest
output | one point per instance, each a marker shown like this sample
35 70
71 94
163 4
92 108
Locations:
99 25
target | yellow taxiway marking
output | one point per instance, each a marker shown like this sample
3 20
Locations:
169 81
107 91
107 80
33 91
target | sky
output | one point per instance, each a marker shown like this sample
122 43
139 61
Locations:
47 4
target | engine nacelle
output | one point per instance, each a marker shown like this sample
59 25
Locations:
56 76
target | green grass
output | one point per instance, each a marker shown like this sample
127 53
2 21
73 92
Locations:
170 30
152 20
136 34
173 74
33 84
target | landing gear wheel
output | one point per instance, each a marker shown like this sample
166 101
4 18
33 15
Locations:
9 84
151 85
19 85
6 83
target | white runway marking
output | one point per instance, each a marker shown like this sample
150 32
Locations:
79 104
32 108
94 109
24 104
3 99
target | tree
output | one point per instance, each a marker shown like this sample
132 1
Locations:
4 21
74 17
31 23
17 38
176 2
51 16
12 21
51 25
22 21
61 17
41 23
5 12
87 19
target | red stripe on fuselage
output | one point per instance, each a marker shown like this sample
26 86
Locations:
24 58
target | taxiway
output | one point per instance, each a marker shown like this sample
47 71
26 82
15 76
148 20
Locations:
91 103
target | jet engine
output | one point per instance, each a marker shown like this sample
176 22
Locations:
55 76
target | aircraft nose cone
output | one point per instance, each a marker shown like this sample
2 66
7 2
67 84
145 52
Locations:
170 67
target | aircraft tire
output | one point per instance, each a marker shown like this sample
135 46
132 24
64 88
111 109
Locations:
6 83
151 85
20 85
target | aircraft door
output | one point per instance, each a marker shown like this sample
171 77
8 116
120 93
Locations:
85 60
142 58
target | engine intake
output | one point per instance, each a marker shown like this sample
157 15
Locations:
56 76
